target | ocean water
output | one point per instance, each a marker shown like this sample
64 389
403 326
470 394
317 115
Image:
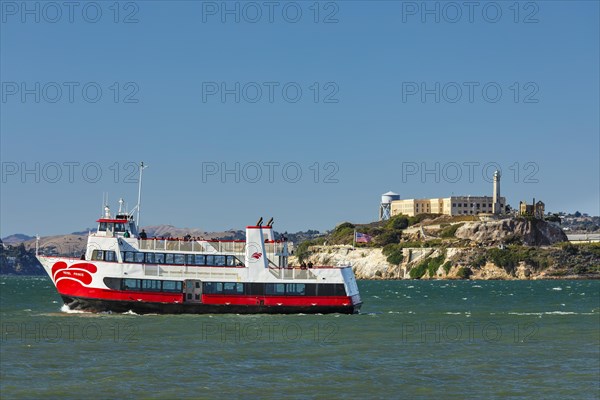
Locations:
412 340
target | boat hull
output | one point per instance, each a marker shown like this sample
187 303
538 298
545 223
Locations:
120 306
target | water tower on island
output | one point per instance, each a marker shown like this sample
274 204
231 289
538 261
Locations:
385 209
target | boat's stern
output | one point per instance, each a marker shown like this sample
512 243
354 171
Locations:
351 288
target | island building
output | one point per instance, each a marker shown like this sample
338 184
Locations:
391 204
534 209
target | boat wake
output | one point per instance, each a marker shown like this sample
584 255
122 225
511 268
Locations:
65 308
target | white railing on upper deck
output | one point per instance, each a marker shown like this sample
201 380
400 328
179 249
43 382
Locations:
207 246
292 273
203 246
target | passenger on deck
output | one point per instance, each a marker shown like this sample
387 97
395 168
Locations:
310 264
126 234
143 235
303 265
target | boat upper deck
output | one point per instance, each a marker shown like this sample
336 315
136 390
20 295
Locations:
205 246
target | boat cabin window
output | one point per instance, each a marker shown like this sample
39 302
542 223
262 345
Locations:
139 257
171 286
295 289
110 256
151 285
219 261
131 284
233 288
212 287
275 288
104 255
102 227
160 258
179 259
119 227
199 259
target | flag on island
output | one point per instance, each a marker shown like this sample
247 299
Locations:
361 237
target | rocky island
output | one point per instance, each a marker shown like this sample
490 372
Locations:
444 247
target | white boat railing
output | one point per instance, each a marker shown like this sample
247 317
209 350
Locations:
203 246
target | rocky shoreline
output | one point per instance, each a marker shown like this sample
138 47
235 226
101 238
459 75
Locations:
371 264
441 248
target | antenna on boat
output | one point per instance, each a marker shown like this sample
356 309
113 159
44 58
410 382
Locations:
142 166
104 204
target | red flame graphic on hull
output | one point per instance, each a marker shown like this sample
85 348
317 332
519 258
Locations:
79 272
257 255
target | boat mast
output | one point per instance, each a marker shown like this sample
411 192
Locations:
139 202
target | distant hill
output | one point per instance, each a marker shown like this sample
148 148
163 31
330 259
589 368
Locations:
16 238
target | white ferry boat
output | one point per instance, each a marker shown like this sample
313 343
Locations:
123 269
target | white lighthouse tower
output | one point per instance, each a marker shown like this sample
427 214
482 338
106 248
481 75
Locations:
496 206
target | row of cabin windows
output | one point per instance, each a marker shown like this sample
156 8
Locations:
104 255
118 227
167 258
144 285
275 289
230 288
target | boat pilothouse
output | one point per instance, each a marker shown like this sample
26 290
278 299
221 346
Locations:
123 269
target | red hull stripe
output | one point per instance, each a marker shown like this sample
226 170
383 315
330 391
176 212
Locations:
273 301
71 288
75 289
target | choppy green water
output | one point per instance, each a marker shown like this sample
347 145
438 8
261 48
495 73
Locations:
441 339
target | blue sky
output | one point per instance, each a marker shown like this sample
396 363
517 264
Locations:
385 88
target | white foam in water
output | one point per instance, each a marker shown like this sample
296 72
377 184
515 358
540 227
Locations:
130 313
65 308
556 288
546 313
525 313
561 313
